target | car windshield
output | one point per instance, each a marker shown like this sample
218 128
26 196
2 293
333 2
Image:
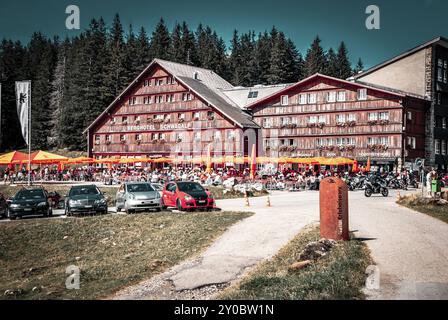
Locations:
78 191
190 186
141 187
157 186
30 194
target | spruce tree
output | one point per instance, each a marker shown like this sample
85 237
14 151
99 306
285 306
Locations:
315 61
160 42
142 57
359 67
343 66
332 64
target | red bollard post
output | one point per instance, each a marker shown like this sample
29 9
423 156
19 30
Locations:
334 209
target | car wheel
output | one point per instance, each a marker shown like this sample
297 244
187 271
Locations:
179 205
158 209
51 212
118 207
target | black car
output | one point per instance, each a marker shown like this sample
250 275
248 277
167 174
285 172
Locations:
3 206
29 202
85 200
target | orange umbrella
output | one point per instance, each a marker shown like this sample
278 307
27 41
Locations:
355 167
14 157
253 162
43 157
80 160
368 165
209 159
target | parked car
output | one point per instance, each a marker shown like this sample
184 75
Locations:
158 187
3 206
85 199
137 196
187 196
29 202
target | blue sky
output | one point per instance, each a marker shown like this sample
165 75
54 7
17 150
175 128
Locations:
404 24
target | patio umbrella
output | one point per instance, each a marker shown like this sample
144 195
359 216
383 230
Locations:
14 157
80 160
368 165
355 167
209 159
253 163
43 157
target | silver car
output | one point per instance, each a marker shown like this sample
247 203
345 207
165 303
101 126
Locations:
137 196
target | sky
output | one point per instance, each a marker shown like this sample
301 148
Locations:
403 24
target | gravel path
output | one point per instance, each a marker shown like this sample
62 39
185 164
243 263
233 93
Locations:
409 248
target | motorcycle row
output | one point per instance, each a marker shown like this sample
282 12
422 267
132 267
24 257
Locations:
375 183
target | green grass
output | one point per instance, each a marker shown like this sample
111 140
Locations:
340 275
112 252
414 202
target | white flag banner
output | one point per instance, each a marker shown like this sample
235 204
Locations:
23 92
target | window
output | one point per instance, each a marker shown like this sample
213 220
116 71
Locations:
340 118
312 98
124 120
384 140
187 97
322 119
122 137
268 122
148 83
159 99
97 139
284 100
409 115
362 94
159 82
167 118
108 138
181 116
147 100
170 80
230 135
170 98
373 116
384 115
285 121
371 141
138 137
443 147
412 142
341 96
132 101
197 136
437 146
302 98
217 136
137 119
352 117
312 119
444 123
210 115
439 74
196 116
439 98
331 96
253 95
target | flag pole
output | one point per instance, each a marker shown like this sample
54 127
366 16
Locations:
29 135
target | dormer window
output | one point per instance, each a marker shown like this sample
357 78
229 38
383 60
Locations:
253 95
159 82
196 75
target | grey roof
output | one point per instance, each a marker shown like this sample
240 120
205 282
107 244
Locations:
205 83
240 95
439 40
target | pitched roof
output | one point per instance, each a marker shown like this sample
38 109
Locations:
203 82
438 40
318 75
240 95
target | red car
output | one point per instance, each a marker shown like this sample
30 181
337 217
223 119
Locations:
187 196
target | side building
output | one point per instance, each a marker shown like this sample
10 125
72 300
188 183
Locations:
329 117
172 110
421 71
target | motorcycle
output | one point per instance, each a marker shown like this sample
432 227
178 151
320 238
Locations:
376 187
357 182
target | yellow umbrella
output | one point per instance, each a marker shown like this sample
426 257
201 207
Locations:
43 157
80 160
13 158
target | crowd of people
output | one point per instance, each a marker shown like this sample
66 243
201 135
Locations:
272 178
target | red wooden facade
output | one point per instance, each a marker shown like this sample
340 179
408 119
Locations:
323 116
158 116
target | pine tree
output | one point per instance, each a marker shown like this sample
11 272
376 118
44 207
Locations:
331 63
315 61
236 61
188 51
359 67
142 57
176 44
160 42
343 66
